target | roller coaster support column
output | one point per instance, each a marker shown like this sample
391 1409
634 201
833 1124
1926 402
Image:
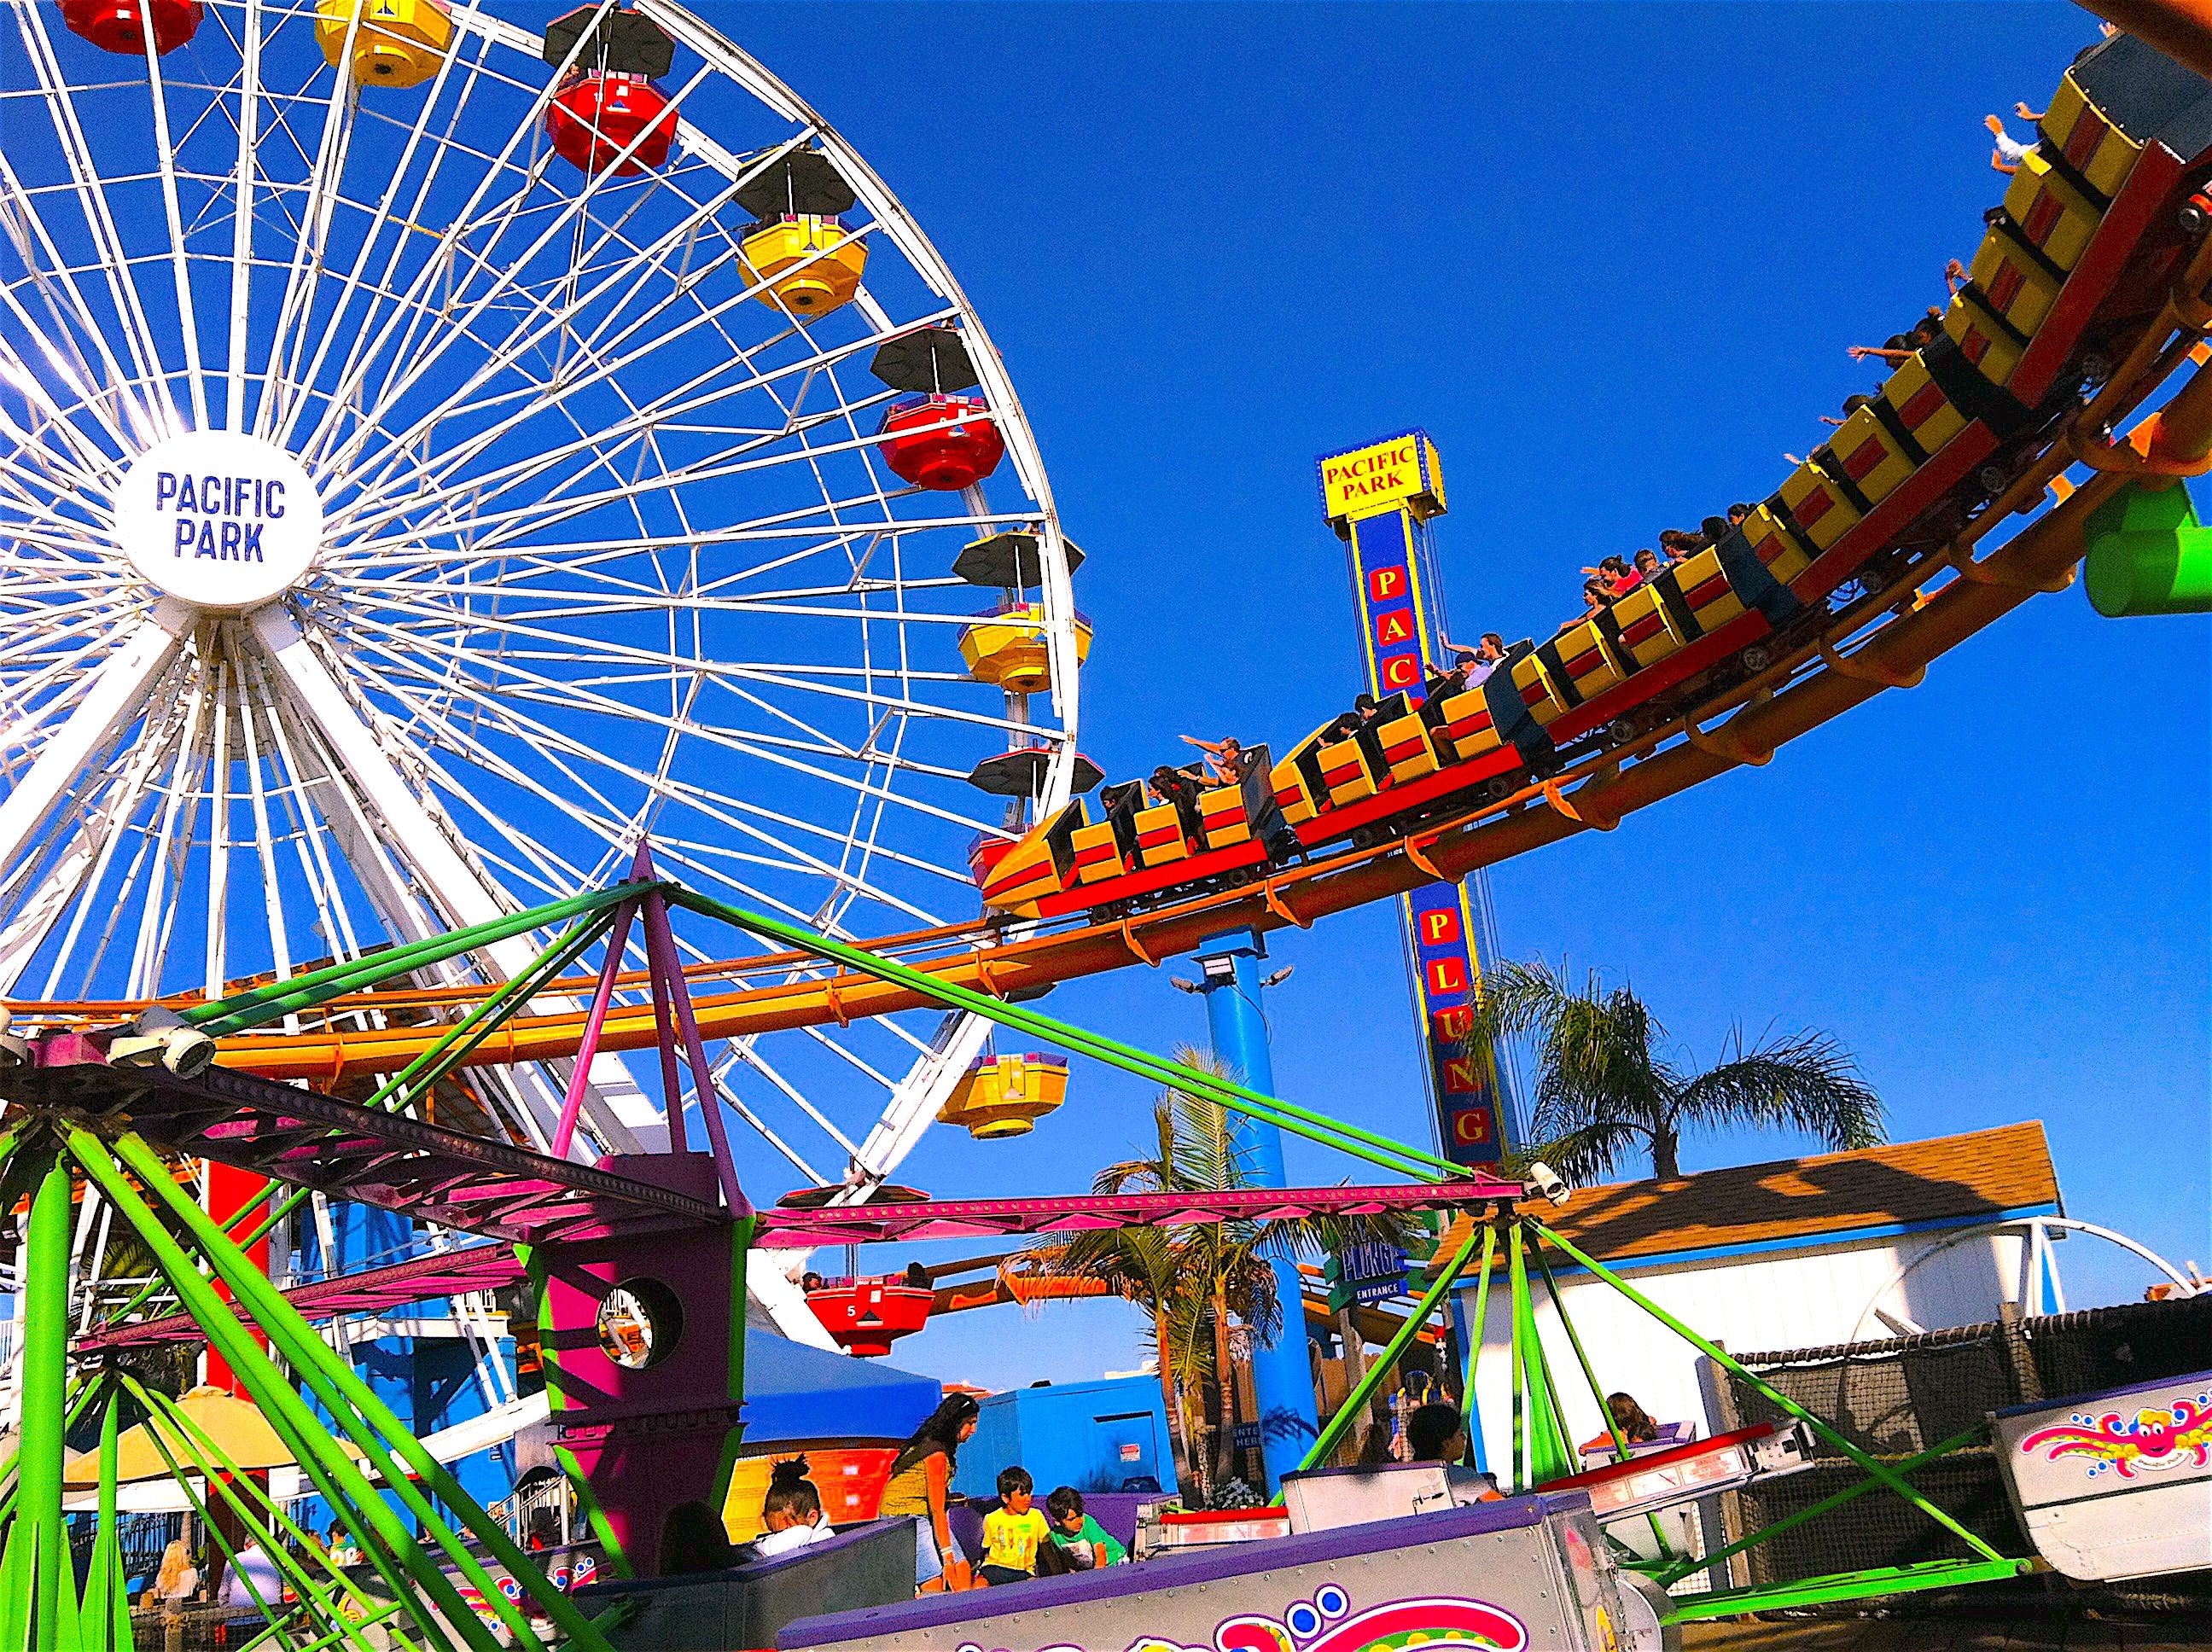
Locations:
1282 1377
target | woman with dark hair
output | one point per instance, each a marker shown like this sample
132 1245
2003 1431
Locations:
919 1485
1634 1422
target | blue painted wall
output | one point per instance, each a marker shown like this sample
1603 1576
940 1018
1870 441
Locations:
1091 1436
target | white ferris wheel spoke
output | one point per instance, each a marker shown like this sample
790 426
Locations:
92 200
560 691
158 104
610 550
737 816
241 244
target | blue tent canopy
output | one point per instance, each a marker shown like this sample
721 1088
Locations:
795 1393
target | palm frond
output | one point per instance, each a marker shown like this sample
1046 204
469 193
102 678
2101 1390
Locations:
1807 1082
1604 1090
1593 1152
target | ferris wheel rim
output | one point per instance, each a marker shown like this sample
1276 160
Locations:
211 387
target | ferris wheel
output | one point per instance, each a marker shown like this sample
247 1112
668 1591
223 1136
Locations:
438 455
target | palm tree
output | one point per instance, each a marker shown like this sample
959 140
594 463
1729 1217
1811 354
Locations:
1192 1281
1606 1090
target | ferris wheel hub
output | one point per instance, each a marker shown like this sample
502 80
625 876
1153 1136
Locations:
223 521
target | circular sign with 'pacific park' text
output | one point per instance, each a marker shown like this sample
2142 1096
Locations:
217 519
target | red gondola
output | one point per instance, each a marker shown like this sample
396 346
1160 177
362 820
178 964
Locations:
945 442
119 26
866 1317
596 117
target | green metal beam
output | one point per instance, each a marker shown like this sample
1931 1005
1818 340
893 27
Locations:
208 1455
105 1620
382 1436
385 1539
1621 1454
270 1528
46 1577
1377 1150
1402 1338
465 1035
1672 1575
1480 1321
1849 1586
1719 1356
1544 1455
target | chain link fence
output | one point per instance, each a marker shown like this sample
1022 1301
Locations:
1902 1396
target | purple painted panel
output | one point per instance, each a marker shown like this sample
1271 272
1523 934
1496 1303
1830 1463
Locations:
1168 1572
649 1428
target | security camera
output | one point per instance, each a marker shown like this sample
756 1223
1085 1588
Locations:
1544 1181
160 1036
14 1052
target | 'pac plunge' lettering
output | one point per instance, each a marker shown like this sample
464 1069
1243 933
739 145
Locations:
219 517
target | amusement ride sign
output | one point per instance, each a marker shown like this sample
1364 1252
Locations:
1379 499
220 520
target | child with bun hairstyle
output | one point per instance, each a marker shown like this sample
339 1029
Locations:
792 1512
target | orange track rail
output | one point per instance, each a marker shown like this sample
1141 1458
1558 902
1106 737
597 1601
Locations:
1880 643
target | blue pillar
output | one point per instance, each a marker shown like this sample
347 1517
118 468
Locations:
1282 1377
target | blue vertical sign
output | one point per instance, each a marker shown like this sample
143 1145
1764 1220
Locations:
1379 499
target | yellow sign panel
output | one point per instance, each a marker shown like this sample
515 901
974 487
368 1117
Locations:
1401 469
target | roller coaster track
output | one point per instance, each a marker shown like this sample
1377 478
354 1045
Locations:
1877 643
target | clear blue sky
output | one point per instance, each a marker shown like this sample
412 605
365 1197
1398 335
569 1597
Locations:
1610 255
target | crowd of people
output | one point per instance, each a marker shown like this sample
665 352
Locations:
1614 577
243 1583
1020 1541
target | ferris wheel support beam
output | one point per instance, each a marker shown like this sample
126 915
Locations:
117 695
462 894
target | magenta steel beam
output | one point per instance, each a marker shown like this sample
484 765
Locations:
782 1227
664 1023
373 1291
579 1076
669 990
397 1163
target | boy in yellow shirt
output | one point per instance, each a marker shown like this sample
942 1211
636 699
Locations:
1012 1531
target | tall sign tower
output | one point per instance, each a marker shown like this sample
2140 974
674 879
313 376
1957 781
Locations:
1380 500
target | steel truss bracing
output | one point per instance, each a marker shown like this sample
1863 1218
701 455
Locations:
68 1097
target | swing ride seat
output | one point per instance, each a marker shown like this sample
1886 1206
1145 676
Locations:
1654 1480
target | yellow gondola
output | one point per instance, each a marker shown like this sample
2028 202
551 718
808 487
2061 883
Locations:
824 263
1006 645
1005 1095
396 43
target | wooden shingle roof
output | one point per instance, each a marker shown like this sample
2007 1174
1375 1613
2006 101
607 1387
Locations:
1983 1173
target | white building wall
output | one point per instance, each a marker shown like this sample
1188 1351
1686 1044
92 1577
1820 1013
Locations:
1754 1303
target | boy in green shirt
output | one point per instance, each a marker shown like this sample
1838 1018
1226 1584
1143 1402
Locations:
1082 1540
